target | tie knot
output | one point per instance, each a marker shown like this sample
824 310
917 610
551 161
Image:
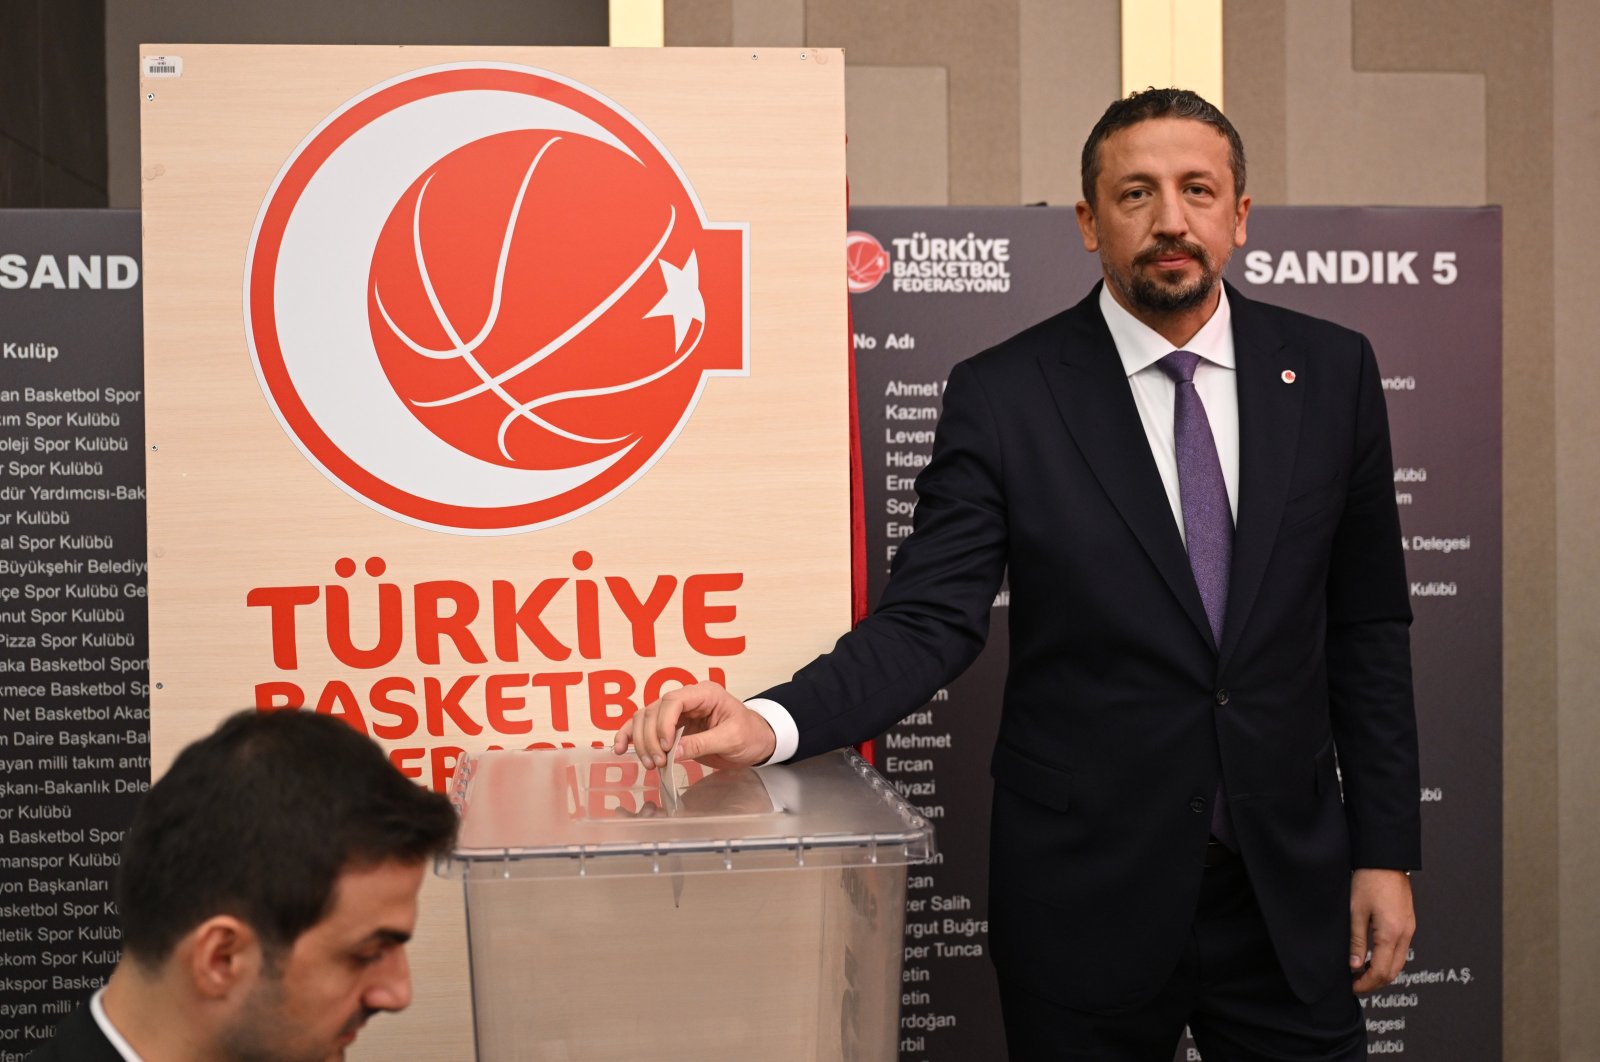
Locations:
1180 365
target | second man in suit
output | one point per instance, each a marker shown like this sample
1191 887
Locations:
267 889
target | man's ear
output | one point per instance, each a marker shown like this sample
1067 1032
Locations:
1091 239
223 952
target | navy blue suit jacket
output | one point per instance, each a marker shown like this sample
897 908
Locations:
76 1039
1119 706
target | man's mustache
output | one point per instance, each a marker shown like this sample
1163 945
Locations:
1169 247
357 1020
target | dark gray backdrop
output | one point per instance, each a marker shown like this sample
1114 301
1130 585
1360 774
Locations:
961 279
1439 347
74 708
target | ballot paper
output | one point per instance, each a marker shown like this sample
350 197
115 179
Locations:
668 785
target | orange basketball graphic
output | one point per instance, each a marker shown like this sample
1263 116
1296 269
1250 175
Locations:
866 262
513 320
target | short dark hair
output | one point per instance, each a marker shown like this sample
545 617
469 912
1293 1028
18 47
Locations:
258 820
1160 103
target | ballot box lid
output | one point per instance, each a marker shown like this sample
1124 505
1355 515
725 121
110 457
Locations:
586 812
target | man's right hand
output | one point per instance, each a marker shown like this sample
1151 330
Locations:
717 729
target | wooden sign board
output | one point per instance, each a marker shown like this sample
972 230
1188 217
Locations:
490 393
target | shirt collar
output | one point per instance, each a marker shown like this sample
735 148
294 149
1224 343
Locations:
97 1010
1140 346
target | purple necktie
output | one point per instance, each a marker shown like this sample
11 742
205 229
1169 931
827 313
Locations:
1207 521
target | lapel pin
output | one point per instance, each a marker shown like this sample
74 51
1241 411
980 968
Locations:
1288 376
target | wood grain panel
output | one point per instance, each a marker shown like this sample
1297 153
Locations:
756 483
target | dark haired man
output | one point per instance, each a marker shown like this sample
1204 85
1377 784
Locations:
267 889
1193 496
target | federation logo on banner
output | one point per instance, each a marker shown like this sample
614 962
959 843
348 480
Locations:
941 265
484 299
866 262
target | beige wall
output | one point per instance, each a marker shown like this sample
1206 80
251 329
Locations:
1429 102
1576 32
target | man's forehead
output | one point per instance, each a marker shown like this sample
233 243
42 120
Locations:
376 899
1166 146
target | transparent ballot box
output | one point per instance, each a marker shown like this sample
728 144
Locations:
615 913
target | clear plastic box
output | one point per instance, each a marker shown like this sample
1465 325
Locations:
722 915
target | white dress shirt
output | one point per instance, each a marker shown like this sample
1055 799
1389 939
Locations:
1154 393
97 1010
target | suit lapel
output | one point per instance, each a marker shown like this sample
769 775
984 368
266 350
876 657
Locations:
1269 433
1091 391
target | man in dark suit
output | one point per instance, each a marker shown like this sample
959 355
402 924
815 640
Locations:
1206 773
267 888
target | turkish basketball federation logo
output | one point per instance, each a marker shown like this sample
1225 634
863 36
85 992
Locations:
866 262
484 299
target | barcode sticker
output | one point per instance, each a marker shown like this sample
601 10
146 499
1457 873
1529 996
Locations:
163 66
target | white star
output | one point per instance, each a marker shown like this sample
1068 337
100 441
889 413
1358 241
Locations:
683 301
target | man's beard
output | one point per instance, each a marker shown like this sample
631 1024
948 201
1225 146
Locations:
263 1033
1144 290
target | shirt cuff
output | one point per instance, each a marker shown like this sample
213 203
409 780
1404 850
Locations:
783 728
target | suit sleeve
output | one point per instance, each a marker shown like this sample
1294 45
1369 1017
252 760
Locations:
934 615
1369 650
